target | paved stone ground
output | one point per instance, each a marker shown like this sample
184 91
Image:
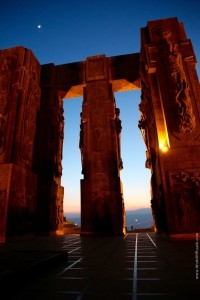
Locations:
137 266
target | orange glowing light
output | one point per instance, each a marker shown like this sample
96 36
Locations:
163 145
164 149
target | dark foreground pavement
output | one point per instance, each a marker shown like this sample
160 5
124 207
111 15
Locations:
137 266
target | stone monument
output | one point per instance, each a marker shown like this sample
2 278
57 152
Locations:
31 135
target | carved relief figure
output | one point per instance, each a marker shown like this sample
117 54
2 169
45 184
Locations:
142 123
187 191
31 106
81 143
186 116
60 135
59 212
5 88
118 125
144 107
173 62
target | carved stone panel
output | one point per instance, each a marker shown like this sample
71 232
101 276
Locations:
59 136
169 60
31 106
101 160
185 190
96 68
179 88
8 64
19 102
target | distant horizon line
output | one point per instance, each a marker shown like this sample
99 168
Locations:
78 212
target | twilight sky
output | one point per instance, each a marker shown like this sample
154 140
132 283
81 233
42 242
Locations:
62 31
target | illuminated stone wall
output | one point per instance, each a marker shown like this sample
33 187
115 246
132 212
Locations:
170 110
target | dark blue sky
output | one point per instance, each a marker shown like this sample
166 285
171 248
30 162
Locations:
72 30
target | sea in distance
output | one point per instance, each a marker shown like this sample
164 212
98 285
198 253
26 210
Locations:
135 219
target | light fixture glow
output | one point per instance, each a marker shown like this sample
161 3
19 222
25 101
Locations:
163 146
164 149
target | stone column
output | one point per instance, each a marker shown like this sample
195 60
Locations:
102 205
19 104
48 155
170 110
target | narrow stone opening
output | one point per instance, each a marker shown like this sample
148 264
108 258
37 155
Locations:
134 176
72 160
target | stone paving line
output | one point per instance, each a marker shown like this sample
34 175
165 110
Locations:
137 266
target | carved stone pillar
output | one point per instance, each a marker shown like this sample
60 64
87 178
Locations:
19 103
102 205
170 108
48 155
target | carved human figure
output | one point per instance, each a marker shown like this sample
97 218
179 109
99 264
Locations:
186 116
142 123
60 135
59 212
118 125
173 61
81 144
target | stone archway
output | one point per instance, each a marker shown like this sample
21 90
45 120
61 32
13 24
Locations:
31 134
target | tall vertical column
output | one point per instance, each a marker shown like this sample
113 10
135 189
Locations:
19 104
102 205
170 123
48 155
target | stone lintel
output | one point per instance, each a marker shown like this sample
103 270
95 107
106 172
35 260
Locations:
122 71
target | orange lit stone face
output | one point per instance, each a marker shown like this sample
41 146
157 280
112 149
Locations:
170 124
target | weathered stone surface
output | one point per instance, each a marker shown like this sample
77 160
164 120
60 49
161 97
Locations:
31 135
48 156
170 107
102 203
5 175
19 103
